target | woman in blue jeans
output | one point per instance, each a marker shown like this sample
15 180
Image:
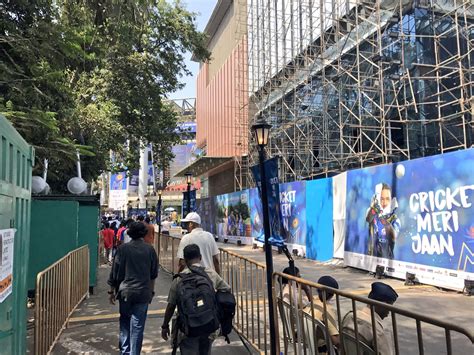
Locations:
131 281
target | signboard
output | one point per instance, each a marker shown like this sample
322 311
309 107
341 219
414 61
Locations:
416 216
133 184
6 262
118 196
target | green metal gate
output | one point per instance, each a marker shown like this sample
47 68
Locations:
16 162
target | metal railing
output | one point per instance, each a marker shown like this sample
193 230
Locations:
60 288
306 323
302 328
166 249
247 279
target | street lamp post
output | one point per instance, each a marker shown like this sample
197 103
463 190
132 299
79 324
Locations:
261 131
189 180
158 212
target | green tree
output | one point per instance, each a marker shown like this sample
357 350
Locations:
92 75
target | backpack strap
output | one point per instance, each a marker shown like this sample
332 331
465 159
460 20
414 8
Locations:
200 271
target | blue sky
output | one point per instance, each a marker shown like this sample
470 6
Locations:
204 10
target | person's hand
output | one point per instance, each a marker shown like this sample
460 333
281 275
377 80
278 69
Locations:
165 332
112 298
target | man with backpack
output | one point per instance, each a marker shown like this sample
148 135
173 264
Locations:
205 305
132 282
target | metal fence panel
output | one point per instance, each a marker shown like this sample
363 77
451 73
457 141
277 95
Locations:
60 288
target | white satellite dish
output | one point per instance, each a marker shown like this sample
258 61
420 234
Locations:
76 185
38 185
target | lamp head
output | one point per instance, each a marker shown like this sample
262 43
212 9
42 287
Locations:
261 131
189 177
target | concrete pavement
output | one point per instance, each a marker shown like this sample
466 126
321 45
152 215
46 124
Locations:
94 327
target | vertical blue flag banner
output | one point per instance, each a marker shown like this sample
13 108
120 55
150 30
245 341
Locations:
277 231
192 200
415 216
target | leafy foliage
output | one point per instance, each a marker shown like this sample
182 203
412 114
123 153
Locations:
92 75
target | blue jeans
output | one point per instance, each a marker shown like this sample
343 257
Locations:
132 325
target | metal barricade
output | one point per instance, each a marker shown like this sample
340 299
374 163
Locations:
59 290
167 248
302 327
247 279
306 324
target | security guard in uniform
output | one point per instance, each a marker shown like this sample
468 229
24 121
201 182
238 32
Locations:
380 292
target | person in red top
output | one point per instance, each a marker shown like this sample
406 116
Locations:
108 238
119 235
150 236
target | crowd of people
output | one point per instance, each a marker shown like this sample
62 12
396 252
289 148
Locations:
114 232
203 301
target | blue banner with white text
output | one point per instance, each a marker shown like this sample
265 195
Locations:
414 216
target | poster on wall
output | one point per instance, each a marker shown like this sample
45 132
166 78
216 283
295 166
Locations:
416 216
319 216
6 262
233 217
293 213
118 196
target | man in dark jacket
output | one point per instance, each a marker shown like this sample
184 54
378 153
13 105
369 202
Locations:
131 281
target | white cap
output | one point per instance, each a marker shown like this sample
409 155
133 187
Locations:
192 217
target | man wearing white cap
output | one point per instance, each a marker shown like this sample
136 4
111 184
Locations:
205 241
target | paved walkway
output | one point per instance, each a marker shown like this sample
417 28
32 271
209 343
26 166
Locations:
94 327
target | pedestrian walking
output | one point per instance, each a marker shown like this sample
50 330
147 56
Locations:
150 236
131 282
108 240
205 241
380 292
193 292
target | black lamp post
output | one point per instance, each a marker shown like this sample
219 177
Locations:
261 130
189 180
158 212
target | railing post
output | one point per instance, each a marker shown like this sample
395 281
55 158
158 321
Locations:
69 281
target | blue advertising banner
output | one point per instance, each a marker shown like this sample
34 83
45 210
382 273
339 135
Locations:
205 207
118 196
319 217
233 216
256 219
136 212
293 211
192 201
415 216
151 174
276 227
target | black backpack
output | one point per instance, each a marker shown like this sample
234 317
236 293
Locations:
197 307
226 304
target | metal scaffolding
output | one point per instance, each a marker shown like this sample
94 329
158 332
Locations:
353 83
